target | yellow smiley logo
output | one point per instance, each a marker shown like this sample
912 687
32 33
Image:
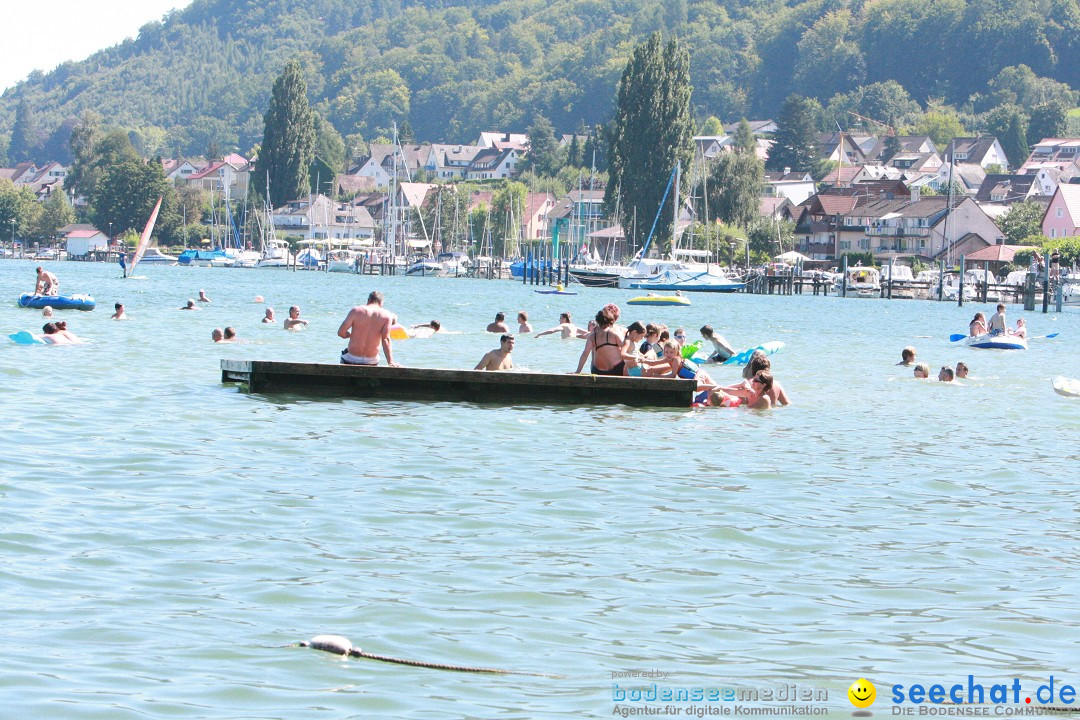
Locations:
862 693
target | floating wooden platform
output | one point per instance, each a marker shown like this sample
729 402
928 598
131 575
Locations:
510 388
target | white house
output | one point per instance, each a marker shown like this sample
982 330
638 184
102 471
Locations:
451 161
795 186
493 163
81 240
179 170
321 218
984 151
503 141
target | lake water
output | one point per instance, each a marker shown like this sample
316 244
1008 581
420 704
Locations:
165 538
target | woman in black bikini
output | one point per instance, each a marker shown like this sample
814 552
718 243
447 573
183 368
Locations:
605 346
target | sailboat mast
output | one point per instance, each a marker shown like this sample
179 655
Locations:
392 239
675 212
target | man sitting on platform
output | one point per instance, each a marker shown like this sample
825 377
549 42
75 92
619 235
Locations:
366 328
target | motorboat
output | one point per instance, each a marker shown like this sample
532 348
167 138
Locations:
424 267
1070 293
275 254
238 258
343 261
686 281
309 259
200 258
997 341
454 264
156 257
862 282
672 275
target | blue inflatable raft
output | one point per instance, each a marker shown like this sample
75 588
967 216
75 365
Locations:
57 302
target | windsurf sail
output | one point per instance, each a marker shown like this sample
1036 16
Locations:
144 239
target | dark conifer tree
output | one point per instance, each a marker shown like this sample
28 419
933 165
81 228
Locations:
652 131
795 145
25 140
288 146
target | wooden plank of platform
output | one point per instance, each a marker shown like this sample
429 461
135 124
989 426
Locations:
455 385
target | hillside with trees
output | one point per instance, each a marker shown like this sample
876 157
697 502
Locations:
199 81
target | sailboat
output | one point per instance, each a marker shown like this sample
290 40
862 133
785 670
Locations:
144 241
675 274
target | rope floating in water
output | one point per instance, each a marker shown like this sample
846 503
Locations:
340 645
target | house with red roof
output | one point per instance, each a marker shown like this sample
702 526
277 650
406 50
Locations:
231 174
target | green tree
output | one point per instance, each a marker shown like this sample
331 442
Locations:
56 213
93 151
18 204
1008 123
321 177
651 133
736 184
767 236
1022 220
1048 120
25 136
795 145
940 125
743 138
545 156
830 61
573 152
85 137
329 145
712 126
891 147
288 145
125 195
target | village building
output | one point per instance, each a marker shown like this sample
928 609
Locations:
1062 216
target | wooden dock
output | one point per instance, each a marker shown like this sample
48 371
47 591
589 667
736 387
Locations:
508 388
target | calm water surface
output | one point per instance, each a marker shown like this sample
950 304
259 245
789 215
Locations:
165 537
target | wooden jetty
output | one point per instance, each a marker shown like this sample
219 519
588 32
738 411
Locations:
509 388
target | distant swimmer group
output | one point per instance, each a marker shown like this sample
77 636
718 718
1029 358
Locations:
921 370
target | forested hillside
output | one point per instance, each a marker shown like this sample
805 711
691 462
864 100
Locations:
201 78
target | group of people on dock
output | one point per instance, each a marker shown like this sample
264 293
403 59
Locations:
637 350
653 351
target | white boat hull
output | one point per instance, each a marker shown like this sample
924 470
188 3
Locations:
1000 341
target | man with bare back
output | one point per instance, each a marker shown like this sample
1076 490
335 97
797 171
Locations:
366 328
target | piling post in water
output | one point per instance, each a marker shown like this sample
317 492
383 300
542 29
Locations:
1046 287
891 259
941 281
960 294
1059 298
986 279
843 282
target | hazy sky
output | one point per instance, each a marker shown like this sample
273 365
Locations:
41 34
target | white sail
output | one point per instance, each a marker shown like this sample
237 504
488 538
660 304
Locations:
144 239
